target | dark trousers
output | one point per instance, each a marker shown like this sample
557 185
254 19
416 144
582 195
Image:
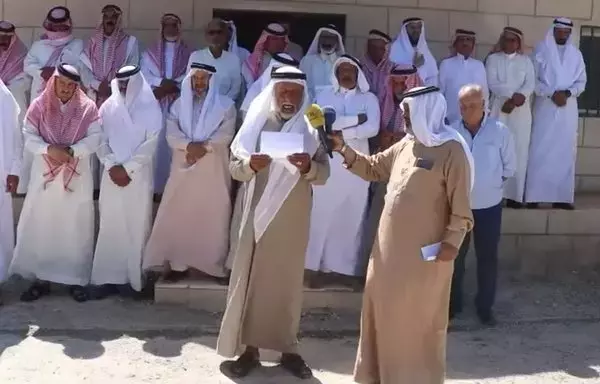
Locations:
486 236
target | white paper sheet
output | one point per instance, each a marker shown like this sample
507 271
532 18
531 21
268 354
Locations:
279 145
430 252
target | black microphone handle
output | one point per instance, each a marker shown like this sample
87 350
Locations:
325 141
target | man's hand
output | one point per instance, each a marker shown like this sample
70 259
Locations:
119 176
447 253
59 153
159 93
258 162
302 161
169 86
196 150
362 118
337 141
560 98
518 99
190 159
47 72
508 106
418 59
12 182
104 89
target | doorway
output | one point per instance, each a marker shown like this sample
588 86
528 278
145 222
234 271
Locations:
303 26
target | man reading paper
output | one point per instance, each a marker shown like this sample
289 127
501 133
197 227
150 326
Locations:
265 296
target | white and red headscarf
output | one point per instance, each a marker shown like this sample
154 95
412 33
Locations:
377 74
255 60
116 52
11 60
182 50
57 39
62 127
387 102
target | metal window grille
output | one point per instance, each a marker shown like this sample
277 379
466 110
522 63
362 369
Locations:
589 44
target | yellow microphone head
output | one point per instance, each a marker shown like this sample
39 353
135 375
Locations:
315 116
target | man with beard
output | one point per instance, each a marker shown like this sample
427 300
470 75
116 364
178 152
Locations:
62 130
340 206
273 39
561 78
10 169
109 49
376 63
197 202
131 123
12 56
459 70
164 66
265 294
511 78
401 79
405 304
325 49
228 77
411 47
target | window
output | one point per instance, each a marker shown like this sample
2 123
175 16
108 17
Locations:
303 26
589 101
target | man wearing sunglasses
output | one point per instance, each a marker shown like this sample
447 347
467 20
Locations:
228 76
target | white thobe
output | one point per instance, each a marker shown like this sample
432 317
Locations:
318 69
36 59
339 207
92 84
55 234
508 75
229 71
12 150
153 76
553 148
122 236
456 72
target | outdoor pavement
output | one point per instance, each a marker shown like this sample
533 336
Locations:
548 333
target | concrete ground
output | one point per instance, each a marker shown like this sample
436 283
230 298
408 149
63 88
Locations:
548 333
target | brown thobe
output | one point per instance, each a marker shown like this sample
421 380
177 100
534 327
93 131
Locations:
405 304
265 292
192 222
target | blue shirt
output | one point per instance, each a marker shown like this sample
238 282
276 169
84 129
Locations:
495 158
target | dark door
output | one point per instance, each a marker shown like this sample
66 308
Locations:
250 24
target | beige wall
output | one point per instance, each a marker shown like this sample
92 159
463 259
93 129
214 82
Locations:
486 17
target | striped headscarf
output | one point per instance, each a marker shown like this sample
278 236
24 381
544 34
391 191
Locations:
254 61
390 110
61 127
377 74
11 60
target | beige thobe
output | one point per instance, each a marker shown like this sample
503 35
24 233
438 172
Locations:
265 292
405 304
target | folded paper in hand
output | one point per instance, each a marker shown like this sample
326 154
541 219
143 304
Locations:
279 145
430 252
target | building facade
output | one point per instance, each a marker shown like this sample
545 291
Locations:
442 17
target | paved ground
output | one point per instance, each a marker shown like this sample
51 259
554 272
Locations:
548 334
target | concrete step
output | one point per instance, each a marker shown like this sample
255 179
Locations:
210 296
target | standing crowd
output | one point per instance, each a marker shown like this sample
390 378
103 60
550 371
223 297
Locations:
250 195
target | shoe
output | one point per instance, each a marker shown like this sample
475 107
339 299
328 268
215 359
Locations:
565 206
487 318
532 205
513 204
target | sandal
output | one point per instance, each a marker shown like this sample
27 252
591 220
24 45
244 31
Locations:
245 364
79 293
296 365
35 292
175 276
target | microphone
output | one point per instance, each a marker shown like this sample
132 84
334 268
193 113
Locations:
318 120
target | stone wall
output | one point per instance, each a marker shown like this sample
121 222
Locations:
486 17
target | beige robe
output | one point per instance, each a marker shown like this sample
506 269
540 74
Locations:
265 293
192 222
406 299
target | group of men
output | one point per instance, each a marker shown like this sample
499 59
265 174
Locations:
169 123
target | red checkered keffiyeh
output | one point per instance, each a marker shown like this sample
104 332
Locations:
377 74
116 52
11 60
388 106
61 128
254 61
